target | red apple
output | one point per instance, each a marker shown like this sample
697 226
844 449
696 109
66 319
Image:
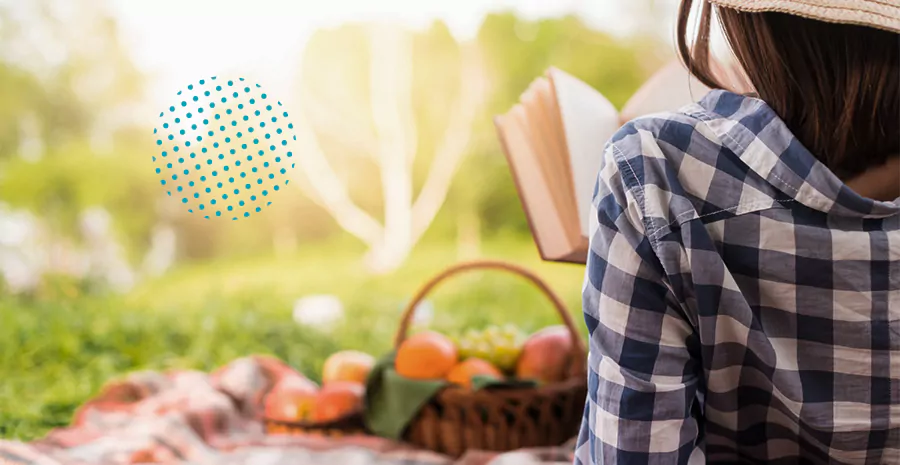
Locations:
546 355
292 399
338 399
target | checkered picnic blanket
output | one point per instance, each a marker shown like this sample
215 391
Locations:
194 418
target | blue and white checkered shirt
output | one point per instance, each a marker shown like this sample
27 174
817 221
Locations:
743 304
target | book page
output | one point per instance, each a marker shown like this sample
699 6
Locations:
566 186
545 144
547 112
668 89
531 183
589 121
561 181
673 86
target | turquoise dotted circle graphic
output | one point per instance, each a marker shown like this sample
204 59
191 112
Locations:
224 148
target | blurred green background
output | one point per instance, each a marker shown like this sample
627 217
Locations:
102 274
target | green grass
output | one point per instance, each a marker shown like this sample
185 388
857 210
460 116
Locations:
56 351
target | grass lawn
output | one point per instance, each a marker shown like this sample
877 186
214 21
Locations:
56 351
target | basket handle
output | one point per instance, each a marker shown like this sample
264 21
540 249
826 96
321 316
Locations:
578 345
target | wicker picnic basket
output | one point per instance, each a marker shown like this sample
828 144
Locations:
458 419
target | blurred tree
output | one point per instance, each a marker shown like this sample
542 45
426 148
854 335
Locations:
67 82
68 140
84 80
345 110
72 178
21 94
400 103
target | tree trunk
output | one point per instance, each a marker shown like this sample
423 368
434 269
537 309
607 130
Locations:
394 146
386 257
390 75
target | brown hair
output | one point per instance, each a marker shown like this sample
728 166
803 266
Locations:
836 86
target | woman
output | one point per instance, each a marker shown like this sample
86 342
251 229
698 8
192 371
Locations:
743 287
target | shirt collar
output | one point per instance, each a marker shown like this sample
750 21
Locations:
750 128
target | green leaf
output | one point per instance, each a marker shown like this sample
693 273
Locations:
392 401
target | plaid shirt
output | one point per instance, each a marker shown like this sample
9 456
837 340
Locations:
743 304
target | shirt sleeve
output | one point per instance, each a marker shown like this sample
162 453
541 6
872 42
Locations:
644 354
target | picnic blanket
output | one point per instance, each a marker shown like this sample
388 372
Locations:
194 418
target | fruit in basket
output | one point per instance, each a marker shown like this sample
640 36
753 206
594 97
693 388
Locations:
291 399
499 346
338 399
464 371
347 365
546 355
426 355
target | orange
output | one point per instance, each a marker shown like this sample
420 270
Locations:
463 372
426 355
338 399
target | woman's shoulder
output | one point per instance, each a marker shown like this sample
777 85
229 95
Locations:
680 165
662 145
684 131
698 129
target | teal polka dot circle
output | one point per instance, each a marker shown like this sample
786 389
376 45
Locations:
224 148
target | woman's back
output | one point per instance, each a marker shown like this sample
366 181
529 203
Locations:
743 302
780 288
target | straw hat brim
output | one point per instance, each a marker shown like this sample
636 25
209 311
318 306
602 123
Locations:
880 14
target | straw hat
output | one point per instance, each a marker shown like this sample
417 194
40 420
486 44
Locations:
881 14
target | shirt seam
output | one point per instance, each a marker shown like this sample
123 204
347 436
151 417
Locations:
752 206
638 188
654 245
653 232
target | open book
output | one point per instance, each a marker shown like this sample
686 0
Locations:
554 140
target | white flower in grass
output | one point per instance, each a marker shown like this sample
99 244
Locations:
107 261
161 255
318 311
22 255
18 273
17 227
